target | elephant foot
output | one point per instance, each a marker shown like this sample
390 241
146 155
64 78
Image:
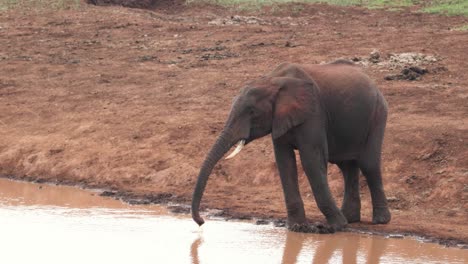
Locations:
381 215
353 215
337 221
317 228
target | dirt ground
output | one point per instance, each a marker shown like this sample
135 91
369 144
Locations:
131 100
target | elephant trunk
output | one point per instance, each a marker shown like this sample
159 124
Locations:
222 145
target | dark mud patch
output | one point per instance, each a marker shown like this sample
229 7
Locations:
179 209
39 180
108 194
218 56
227 214
315 228
410 74
143 4
143 199
262 222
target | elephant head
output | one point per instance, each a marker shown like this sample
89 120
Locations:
272 104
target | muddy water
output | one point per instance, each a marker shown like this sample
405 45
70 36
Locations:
49 224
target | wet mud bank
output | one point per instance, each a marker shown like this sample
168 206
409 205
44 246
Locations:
180 205
41 216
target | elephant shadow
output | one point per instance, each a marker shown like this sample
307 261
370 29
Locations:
324 250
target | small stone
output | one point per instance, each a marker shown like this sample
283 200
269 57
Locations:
179 209
108 193
451 213
279 223
398 236
374 56
262 222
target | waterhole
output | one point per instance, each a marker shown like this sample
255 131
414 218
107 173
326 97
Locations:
51 224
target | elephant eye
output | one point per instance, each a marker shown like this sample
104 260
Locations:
252 111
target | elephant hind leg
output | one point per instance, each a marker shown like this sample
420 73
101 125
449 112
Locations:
380 214
369 163
351 207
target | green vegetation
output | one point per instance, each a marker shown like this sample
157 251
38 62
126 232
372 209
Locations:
462 28
367 3
39 4
447 7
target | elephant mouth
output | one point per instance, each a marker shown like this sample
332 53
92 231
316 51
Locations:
240 145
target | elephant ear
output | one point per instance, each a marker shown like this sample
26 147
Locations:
296 100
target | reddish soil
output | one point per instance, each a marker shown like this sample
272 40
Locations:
131 100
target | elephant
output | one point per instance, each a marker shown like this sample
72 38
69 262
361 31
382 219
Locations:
329 113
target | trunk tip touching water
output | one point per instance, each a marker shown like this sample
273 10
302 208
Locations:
198 219
195 211
221 146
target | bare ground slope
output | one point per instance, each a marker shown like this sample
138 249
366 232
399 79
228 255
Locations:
131 100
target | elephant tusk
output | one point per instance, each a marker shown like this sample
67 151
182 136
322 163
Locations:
239 147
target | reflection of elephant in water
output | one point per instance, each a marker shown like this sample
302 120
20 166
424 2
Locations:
194 250
349 245
330 113
325 247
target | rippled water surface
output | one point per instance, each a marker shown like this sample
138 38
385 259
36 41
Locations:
49 224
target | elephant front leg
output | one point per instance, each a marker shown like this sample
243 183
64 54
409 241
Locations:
286 163
314 162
